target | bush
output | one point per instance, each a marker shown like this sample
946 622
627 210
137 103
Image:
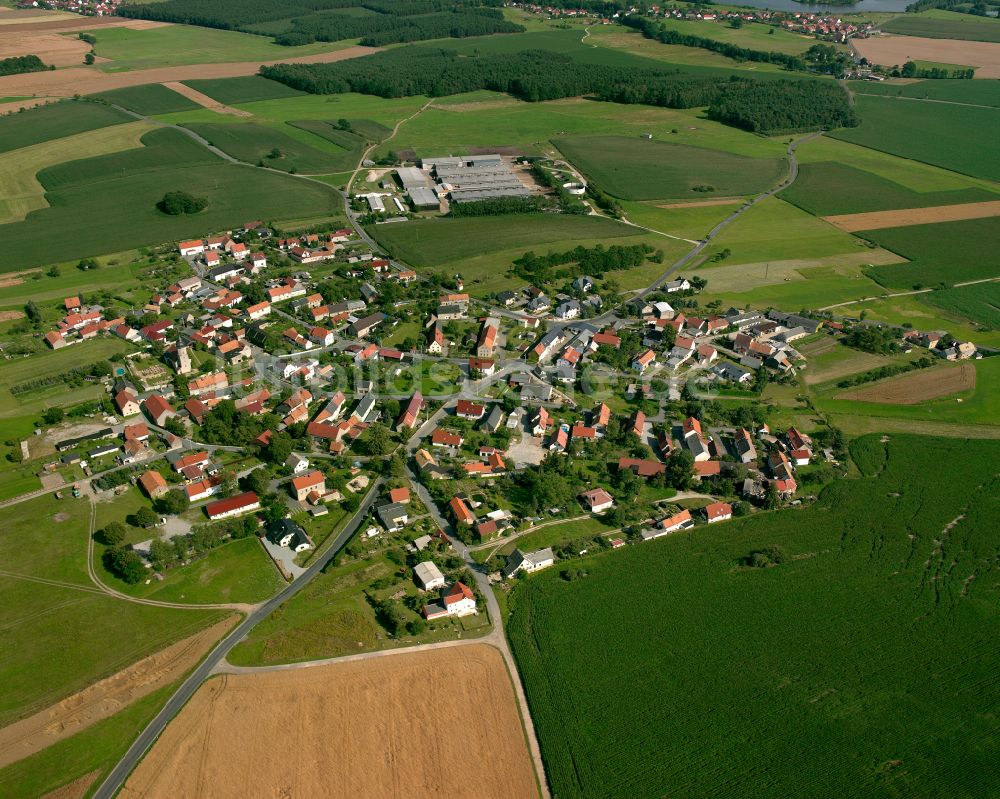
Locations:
176 203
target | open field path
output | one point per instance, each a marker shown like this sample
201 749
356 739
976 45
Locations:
204 100
117 776
905 293
46 581
392 135
85 80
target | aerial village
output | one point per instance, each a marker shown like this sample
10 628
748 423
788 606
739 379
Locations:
263 396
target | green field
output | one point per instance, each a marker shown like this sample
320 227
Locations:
971 92
55 121
122 214
754 36
958 137
939 24
645 169
248 89
435 242
254 143
949 252
692 222
828 187
48 363
861 664
913 175
173 45
47 538
153 98
773 230
979 303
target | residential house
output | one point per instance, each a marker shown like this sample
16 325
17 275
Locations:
394 516
597 500
461 511
718 512
158 409
528 561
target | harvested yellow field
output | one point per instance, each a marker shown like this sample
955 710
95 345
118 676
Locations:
442 722
896 50
876 220
20 191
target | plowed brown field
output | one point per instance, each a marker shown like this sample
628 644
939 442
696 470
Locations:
876 220
439 723
919 386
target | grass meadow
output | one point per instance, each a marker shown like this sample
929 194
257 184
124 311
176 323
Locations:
940 24
436 242
254 143
774 230
47 538
754 36
957 137
860 664
829 187
174 45
645 169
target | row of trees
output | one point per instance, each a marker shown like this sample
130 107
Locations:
883 372
498 206
593 261
818 58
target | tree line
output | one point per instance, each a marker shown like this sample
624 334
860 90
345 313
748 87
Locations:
819 58
534 75
20 64
381 29
498 206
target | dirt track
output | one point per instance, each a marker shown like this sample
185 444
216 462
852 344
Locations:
876 220
83 80
107 697
919 386
419 724
897 50
204 100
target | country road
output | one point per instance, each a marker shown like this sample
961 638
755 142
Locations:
117 776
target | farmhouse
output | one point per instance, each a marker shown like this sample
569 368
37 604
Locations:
154 484
303 486
232 506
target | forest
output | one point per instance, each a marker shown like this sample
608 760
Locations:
536 75
306 21
382 29
20 64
